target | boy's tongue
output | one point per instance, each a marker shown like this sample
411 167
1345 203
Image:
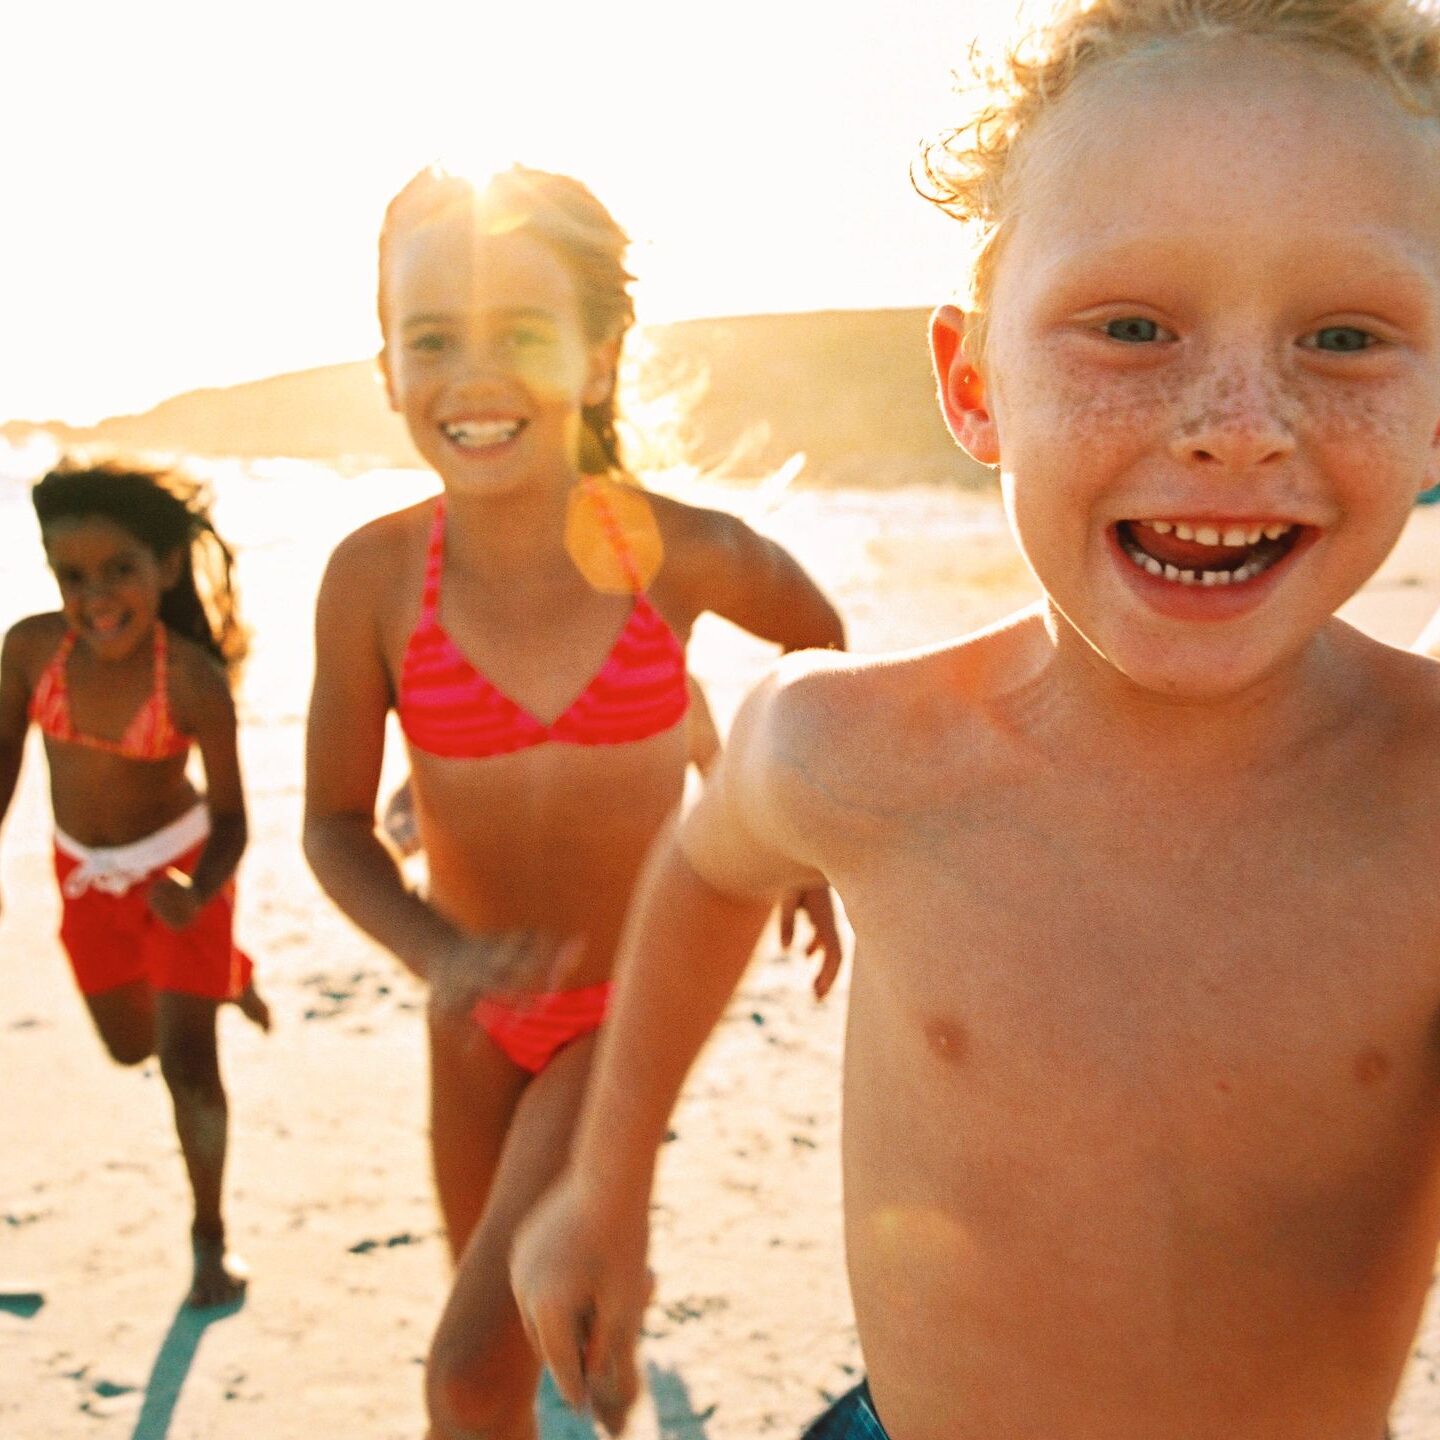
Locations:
1188 554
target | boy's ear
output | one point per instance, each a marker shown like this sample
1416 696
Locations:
963 400
382 367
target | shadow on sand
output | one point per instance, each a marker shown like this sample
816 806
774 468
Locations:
172 1366
675 1415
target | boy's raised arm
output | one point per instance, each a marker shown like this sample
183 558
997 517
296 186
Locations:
579 1264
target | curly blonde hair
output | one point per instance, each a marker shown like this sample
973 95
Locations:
968 170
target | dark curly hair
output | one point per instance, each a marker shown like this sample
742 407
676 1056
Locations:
167 511
561 213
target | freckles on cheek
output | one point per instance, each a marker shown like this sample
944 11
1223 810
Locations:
1093 407
1361 419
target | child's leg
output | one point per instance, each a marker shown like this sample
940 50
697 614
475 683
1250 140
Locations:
124 1016
190 1063
482 1375
474 1089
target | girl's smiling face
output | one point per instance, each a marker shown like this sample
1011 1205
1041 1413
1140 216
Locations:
486 355
110 582
1212 378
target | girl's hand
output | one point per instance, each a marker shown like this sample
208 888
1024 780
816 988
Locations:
819 909
499 964
173 900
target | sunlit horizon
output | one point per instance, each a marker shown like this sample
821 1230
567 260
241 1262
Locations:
197 206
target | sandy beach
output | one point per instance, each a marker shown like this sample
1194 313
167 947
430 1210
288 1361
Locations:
329 1195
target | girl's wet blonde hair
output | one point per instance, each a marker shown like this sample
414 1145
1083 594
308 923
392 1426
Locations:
969 171
561 213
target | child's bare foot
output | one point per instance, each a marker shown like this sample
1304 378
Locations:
220 1278
253 1007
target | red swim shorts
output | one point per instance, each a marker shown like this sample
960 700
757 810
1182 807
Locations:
113 939
532 1032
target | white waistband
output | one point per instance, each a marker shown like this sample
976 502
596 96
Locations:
115 868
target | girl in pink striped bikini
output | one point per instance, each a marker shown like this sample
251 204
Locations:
528 628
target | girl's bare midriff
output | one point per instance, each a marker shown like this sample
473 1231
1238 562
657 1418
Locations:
548 839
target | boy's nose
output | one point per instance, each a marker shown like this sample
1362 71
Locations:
1235 421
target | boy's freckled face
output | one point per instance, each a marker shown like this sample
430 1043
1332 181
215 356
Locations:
1213 359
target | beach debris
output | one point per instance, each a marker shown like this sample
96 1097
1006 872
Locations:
17 1213
364 1247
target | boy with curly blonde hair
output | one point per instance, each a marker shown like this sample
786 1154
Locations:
1142 1080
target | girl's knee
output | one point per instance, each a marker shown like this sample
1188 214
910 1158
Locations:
484 1396
128 1049
193 1070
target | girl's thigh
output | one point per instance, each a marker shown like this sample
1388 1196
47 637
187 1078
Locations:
124 1016
474 1089
481 1305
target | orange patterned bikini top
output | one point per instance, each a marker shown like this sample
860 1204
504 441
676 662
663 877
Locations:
150 735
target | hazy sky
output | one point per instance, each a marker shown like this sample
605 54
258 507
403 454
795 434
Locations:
192 192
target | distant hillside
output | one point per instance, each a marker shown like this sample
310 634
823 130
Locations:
851 389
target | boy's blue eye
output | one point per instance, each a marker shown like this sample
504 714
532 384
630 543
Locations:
1133 330
426 341
1343 339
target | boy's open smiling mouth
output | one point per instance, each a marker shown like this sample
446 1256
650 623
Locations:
1206 553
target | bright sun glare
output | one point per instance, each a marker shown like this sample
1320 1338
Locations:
201 207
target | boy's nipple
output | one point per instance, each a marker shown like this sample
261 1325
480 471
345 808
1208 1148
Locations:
947 1040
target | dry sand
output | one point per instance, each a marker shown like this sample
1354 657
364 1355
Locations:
329 1196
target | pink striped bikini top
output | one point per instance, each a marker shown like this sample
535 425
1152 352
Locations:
151 733
447 707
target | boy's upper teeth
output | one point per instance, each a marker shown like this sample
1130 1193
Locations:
1204 534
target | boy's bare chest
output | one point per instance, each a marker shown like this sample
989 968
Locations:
1121 940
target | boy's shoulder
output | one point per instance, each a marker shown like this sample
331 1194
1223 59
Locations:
877 714
1402 689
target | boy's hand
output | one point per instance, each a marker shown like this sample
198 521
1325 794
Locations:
173 900
499 964
819 909
582 1286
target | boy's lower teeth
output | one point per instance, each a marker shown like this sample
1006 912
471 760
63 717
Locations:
1248 571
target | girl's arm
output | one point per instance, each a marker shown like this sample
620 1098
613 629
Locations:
204 703
344 747
726 567
345 743
14 710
